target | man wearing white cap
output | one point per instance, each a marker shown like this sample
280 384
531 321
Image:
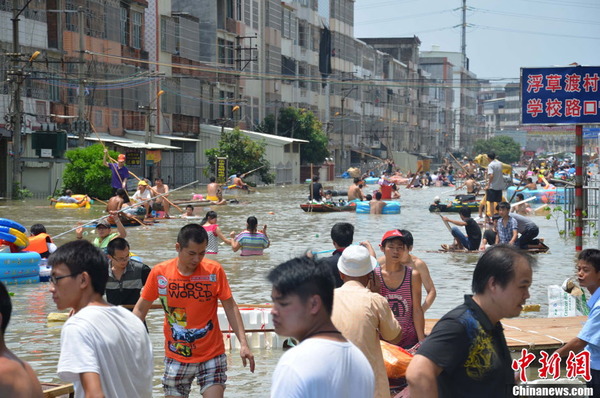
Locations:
362 315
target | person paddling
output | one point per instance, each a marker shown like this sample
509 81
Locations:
120 173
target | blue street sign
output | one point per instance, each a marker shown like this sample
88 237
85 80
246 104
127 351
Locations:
560 95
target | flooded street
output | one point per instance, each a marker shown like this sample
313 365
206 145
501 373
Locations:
291 232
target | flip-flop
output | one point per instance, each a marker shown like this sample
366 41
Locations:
445 247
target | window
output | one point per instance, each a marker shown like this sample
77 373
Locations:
302 30
137 29
98 118
70 16
288 66
225 51
301 76
124 26
40 110
114 119
230 9
287 16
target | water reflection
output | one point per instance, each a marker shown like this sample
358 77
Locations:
291 232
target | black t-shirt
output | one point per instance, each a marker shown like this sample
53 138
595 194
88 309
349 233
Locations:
473 233
332 264
316 191
472 353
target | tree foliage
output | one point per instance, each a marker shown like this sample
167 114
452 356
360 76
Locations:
85 174
506 149
301 124
243 154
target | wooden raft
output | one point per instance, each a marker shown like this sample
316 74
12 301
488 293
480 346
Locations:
535 333
52 390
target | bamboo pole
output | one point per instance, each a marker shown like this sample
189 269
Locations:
108 215
154 191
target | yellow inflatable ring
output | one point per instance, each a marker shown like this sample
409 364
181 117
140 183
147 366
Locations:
21 240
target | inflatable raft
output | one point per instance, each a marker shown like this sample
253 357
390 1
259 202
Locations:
545 196
459 202
19 268
327 207
85 204
391 207
13 233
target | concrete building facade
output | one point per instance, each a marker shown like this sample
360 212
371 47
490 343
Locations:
170 67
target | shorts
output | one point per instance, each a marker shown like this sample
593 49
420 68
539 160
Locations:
178 377
492 195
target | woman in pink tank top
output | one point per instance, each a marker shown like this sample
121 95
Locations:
209 222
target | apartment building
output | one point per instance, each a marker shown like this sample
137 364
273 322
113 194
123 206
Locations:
156 72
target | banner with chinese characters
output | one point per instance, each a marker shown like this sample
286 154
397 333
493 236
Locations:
133 158
560 95
221 170
154 155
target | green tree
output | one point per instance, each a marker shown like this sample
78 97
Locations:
506 149
85 174
243 154
301 124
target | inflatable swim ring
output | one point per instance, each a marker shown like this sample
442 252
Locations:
19 268
543 196
84 204
392 207
13 232
12 224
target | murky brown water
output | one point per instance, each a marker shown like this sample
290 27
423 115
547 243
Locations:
291 231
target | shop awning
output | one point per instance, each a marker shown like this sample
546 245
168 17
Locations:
127 143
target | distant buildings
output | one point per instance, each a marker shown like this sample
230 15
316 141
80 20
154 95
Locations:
378 97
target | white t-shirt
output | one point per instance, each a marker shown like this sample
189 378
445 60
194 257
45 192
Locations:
112 342
320 368
495 172
141 196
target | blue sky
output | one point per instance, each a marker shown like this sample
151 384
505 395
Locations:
502 35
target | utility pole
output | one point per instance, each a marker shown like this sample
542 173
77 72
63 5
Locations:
342 149
148 136
17 76
463 36
81 124
16 116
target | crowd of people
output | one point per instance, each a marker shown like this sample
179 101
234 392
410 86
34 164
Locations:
337 308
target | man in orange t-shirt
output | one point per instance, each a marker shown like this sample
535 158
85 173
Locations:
188 288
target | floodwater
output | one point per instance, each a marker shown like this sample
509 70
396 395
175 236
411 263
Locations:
291 232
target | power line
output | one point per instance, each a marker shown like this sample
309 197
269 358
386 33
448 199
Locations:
537 16
534 33
412 16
